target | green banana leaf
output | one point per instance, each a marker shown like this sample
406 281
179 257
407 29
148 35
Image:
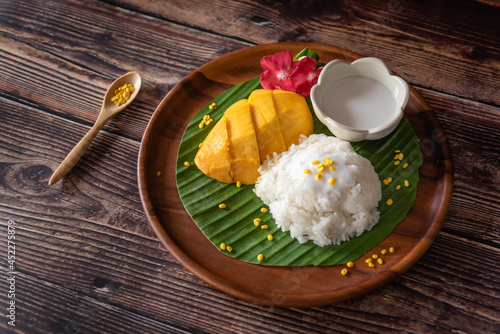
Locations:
201 196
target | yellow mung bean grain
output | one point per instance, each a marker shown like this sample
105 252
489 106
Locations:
260 257
344 271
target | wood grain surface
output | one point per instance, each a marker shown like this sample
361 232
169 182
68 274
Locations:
87 261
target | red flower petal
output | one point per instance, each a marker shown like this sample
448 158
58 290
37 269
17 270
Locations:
279 61
286 84
269 80
305 76
304 71
277 69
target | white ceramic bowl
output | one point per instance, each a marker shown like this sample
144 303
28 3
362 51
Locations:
329 95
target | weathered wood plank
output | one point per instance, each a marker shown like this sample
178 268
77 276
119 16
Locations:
446 46
88 260
54 76
102 250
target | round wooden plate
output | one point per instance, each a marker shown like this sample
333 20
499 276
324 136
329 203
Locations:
281 286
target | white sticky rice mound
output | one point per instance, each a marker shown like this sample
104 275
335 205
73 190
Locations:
326 214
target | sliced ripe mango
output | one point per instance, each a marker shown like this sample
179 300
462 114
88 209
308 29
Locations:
242 143
294 116
214 158
266 122
249 131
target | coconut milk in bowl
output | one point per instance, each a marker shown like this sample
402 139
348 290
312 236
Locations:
359 100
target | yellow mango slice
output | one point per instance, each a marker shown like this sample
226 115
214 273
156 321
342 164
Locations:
214 158
242 143
294 116
266 122
251 130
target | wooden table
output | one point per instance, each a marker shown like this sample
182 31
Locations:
86 258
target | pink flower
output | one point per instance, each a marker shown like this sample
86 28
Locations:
282 72
277 70
305 76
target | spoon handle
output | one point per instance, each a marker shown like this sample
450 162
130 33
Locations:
76 153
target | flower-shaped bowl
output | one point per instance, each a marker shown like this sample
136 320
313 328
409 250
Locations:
361 100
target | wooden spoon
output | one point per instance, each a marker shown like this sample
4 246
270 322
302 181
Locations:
108 110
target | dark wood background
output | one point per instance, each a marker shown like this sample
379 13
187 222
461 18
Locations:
87 260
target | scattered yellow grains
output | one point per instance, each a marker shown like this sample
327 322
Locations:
380 261
375 256
222 206
314 162
122 94
260 257
212 106
390 201
270 237
398 187
397 151
331 181
369 260
407 183
307 171
344 271
327 161
318 176
350 264
389 179
386 182
223 246
256 221
391 249
405 165
331 168
158 173
371 264
229 249
207 120
400 156
383 251
186 163
263 210
397 162
264 227
238 184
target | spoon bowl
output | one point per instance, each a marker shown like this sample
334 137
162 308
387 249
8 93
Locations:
108 110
